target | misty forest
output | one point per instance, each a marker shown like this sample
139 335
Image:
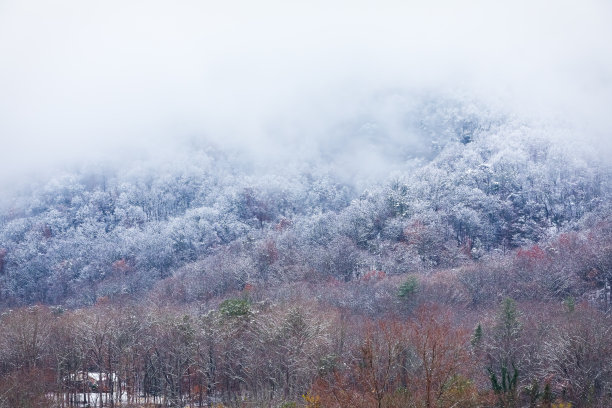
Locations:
406 245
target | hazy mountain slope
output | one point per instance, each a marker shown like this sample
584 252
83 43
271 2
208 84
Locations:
463 183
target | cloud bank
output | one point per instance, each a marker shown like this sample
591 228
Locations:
88 80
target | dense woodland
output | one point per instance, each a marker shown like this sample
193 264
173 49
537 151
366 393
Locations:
476 273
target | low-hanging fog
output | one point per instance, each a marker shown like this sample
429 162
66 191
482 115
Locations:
118 81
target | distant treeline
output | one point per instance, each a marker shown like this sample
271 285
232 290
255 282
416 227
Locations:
489 188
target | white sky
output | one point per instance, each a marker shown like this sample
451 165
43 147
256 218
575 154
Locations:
85 79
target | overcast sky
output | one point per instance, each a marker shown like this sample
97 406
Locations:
88 79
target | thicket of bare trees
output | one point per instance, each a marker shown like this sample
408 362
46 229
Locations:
172 356
307 352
